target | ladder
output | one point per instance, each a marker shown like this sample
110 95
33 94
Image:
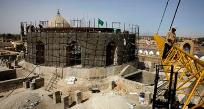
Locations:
52 82
190 70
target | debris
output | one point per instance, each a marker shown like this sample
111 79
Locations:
71 80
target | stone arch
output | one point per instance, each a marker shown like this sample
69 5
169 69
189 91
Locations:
111 53
73 54
40 53
187 47
188 44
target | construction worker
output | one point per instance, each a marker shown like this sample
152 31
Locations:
170 40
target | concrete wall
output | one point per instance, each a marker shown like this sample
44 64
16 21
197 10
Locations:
93 47
13 83
7 74
128 87
131 86
143 77
86 73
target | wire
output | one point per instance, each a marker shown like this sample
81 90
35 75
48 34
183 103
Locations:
163 15
175 14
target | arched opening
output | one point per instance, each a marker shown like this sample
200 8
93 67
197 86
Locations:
73 54
40 52
111 54
187 47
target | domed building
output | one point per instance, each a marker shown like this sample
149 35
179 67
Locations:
61 45
58 21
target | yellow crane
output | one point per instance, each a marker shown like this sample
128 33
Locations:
190 83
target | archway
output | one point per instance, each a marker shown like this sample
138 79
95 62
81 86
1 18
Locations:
73 54
111 54
187 47
40 52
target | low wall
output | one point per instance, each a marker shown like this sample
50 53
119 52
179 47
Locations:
7 74
143 77
13 83
131 86
86 73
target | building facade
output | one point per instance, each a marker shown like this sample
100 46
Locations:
86 49
61 45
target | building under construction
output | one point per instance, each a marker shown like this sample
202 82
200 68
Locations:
61 45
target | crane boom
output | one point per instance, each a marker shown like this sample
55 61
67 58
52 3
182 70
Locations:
190 70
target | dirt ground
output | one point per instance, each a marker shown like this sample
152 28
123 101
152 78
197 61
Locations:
117 98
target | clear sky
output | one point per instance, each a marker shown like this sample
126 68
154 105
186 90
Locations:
146 13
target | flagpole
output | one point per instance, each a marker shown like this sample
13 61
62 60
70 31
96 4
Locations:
106 24
98 23
124 27
77 22
89 23
94 22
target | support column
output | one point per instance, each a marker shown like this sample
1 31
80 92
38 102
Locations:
65 102
56 97
78 96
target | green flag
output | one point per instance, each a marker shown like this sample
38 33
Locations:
100 22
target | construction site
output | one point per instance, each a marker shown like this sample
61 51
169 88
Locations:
62 64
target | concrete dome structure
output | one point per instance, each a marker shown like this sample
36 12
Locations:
157 53
58 22
151 53
140 51
146 52
202 58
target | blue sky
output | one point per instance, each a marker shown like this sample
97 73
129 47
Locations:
146 13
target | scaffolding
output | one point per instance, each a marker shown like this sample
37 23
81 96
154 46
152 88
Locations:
80 46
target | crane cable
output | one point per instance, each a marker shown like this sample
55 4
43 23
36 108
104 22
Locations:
165 12
175 14
163 16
